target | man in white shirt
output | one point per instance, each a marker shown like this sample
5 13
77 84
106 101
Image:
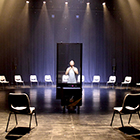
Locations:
72 71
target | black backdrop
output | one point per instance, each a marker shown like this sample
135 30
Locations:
29 34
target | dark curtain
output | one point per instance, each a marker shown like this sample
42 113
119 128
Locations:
29 37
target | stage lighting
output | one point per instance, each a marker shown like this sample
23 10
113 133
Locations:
53 16
27 1
103 3
44 2
77 16
88 2
66 2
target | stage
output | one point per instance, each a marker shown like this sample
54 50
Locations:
93 121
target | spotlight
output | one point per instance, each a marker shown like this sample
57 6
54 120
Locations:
44 2
66 2
77 16
88 3
53 16
103 3
27 1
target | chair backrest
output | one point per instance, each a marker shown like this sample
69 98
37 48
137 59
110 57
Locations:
65 78
96 78
48 78
18 78
33 78
112 78
78 78
131 100
128 79
19 102
2 78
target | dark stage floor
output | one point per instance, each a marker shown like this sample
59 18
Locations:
93 121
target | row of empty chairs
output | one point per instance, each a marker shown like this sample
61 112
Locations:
112 80
47 78
33 79
96 79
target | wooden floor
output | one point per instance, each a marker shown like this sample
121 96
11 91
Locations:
92 123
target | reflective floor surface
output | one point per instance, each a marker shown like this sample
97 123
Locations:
93 121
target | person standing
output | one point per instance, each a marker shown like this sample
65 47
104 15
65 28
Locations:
71 71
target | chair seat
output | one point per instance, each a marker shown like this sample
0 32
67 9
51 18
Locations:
127 110
125 82
4 81
111 82
19 108
132 108
138 84
19 81
23 110
48 80
118 109
95 81
34 81
32 109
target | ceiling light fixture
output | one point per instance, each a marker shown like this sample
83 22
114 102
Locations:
103 3
66 2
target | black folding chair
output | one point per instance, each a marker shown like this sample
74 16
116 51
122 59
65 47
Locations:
131 105
19 103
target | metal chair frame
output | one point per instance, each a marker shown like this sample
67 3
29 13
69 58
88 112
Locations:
128 109
27 111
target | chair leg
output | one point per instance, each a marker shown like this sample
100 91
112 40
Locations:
16 119
130 118
78 109
112 86
127 86
2 86
112 118
36 119
139 114
8 122
121 120
30 121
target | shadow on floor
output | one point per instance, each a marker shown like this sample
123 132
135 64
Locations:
17 133
129 130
